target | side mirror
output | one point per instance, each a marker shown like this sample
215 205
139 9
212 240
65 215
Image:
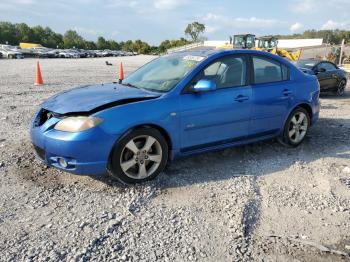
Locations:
204 86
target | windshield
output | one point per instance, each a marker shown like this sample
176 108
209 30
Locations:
164 73
309 64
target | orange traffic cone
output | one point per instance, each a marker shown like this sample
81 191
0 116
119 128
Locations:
38 79
121 73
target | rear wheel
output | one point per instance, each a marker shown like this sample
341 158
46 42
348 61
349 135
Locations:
139 156
296 128
341 88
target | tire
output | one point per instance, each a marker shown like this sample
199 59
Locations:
295 131
140 155
341 88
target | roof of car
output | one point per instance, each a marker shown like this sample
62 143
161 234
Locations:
210 51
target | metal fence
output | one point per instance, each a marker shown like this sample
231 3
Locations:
322 51
185 47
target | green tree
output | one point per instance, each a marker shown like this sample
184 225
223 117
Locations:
128 46
113 45
101 43
329 36
141 47
166 44
8 33
24 33
90 45
38 34
52 39
153 50
194 30
72 39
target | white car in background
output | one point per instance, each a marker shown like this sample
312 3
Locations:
10 52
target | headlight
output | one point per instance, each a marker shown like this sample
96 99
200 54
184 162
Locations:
77 123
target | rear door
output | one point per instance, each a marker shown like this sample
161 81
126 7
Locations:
221 116
272 95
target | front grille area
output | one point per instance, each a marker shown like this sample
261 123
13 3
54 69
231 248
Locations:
40 152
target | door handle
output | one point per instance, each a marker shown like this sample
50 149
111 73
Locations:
287 92
241 98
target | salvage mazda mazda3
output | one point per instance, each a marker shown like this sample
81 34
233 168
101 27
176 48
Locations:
177 105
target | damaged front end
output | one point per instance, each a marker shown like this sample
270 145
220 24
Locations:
70 149
71 132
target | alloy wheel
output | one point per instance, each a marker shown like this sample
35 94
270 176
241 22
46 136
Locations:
341 87
298 126
141 157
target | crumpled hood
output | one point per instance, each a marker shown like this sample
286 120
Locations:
88 98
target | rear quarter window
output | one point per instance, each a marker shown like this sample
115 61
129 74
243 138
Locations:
328 66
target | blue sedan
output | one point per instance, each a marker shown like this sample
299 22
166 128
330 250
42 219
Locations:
177 105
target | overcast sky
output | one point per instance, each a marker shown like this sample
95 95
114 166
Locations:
156 20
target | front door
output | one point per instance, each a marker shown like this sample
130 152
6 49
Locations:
220 116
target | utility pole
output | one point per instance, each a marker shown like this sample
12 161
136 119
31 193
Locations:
341 51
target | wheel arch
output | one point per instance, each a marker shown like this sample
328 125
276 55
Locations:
306 106
164 133
281 138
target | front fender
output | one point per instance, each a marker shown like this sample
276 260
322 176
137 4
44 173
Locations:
161 112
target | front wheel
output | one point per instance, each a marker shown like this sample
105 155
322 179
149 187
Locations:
139 156
296 128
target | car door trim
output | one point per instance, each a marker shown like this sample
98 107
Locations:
228 141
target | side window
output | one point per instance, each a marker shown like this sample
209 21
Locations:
213 69
267 70
226 72
319 66
328 66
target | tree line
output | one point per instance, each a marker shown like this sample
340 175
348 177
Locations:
14 33
329 36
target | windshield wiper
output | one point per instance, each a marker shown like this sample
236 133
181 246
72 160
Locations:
130 85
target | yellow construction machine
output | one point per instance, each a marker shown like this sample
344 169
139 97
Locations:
269 44
265 43
242 41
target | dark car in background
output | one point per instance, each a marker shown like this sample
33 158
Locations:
331 77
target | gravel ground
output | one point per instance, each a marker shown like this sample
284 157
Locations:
260 202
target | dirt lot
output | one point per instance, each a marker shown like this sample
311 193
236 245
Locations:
261 202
